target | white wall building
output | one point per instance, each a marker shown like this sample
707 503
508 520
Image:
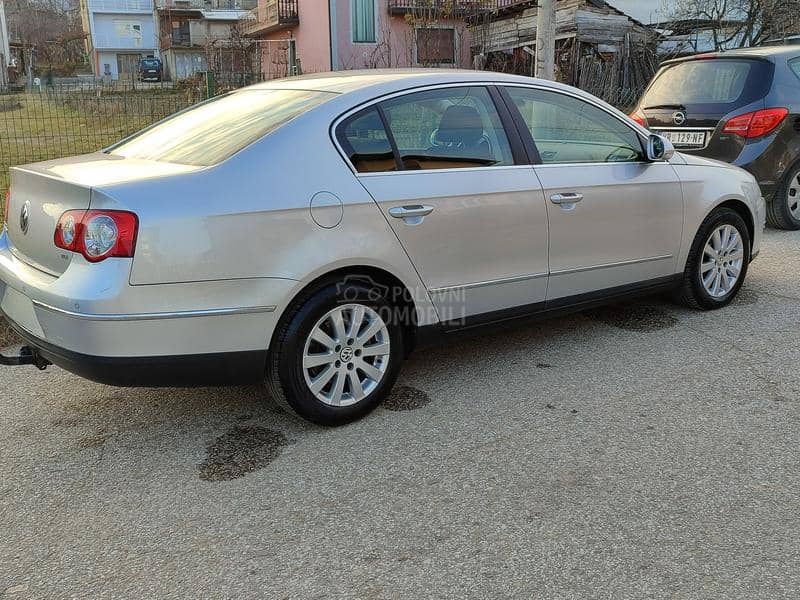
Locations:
120 33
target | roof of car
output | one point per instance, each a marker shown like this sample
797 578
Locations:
350 81
759 52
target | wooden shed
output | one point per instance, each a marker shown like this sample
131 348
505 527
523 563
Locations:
598 47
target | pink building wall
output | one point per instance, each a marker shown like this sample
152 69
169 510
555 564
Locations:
312 36
394 46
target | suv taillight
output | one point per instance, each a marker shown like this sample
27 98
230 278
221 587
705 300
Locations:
639 117
756 124
97 234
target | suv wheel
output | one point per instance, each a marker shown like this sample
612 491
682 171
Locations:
717 262
337 353
784 210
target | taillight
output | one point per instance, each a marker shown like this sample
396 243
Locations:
639 117
7 205
97 234
756 124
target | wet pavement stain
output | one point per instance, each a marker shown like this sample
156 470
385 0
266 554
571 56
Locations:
241 450
405 397
634 317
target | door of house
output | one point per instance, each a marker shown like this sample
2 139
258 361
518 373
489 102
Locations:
128 65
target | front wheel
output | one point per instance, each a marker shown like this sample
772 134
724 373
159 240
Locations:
337 353
717 262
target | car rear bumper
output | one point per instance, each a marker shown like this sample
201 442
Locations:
227 368
91 320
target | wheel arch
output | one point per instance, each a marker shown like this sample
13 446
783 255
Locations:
401 294
740 207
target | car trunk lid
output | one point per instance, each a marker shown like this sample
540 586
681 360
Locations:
42 192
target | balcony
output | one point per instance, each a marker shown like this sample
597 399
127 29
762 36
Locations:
177 5
269 16
450 8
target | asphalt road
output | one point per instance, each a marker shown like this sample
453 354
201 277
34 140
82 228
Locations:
640 451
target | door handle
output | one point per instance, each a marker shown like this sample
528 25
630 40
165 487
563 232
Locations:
566 198
404 212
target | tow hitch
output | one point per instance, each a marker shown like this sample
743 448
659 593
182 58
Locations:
15 356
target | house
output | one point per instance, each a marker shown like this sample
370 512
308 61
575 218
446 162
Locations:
5 48
598 47
120 32
324 35
190 32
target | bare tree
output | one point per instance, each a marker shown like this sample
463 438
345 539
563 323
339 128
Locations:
740 23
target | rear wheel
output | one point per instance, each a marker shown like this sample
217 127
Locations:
784 210
717 262
337 353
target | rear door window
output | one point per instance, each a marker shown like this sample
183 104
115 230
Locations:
364 140
712 83
448 128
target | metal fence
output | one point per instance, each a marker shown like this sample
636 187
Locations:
78 117
63 120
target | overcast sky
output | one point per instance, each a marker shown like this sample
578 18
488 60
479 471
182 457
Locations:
646 11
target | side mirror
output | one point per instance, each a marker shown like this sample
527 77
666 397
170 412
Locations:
659 148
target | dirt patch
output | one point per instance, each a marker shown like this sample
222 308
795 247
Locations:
634 317
241 450
404 397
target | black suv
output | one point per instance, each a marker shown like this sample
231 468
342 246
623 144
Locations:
150 69
741 107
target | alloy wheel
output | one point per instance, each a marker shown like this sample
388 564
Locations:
346 355
793 195
722 261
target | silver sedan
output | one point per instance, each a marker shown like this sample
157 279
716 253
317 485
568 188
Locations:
310 232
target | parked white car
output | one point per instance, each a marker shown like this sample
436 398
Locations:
309 232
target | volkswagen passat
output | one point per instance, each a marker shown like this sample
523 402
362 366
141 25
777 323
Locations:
309 232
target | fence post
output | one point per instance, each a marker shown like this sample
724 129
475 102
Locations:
211 86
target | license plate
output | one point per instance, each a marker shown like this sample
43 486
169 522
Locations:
686 138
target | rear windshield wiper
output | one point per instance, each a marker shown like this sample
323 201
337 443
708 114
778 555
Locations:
674 106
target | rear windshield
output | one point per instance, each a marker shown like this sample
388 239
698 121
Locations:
150 63
717 82
212 131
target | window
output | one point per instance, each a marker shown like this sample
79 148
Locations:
447 128
364 139
436 46
212 131
795 65
570 130
363 17
722 81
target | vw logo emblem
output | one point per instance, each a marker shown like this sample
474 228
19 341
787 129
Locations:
679 118
346 354
25 217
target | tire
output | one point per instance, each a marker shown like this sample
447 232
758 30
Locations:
786 201
289 377
693 291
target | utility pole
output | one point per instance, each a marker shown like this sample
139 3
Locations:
546 39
